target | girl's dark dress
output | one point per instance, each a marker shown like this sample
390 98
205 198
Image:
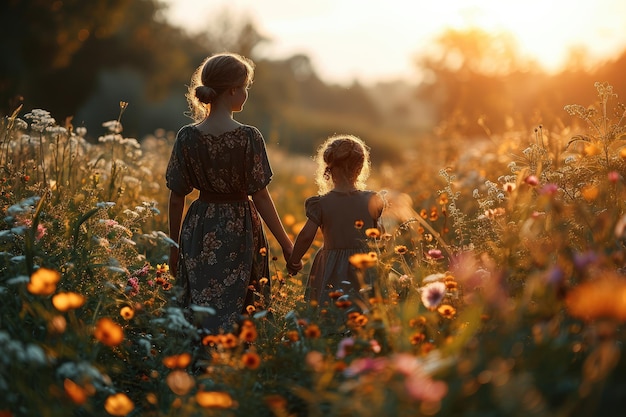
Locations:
222 236
336 214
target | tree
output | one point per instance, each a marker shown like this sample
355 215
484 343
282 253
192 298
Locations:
55 49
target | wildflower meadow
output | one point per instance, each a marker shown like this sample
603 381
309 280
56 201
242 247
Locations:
500 290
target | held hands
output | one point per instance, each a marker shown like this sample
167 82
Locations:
292 266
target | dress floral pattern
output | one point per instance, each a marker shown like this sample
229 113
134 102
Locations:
336 213
221 256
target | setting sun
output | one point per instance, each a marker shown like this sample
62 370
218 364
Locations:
350 39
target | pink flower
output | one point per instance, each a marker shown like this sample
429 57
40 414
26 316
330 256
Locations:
421 387
344 347
613 176
362 365
41 232
435 254
549 189
531 180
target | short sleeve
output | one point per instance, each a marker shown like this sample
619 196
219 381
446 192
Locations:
257 169
177 173
313 210
376 205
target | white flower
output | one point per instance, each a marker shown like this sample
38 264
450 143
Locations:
433 293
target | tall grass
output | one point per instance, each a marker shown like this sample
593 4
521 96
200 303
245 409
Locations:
499 290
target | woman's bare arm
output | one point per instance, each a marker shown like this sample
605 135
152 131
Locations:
176 208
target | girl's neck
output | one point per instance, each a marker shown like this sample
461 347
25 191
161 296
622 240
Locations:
344 188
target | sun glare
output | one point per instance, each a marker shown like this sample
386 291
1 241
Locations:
377 40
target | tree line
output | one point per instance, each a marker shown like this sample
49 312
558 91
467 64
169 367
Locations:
78 59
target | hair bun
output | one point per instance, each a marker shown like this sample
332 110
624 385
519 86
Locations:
205 94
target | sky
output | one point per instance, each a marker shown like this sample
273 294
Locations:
377 40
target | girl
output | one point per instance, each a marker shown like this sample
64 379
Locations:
222 253
343 210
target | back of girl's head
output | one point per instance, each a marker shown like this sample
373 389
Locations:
348 157
215 75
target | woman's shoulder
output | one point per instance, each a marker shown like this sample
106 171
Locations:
186 131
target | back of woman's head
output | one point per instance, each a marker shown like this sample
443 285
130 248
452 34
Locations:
348 157
215 75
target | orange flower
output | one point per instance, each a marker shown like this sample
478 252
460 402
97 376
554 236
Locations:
108 332
251 360
248 334
590 192
127 313
293 335
417 338
605 298
57 324
77 394
276 402
177 361
372 232
343 303
229 341
312 331
400 249
43 281
364 260
446 311
335 294
180 382
215 399
358 224
210 340
118 404
65 301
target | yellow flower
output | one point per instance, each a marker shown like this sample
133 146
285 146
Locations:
43 281
65 301
127 312
372 232
118 404
592 150
358 224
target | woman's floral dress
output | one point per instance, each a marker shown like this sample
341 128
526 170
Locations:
223 248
